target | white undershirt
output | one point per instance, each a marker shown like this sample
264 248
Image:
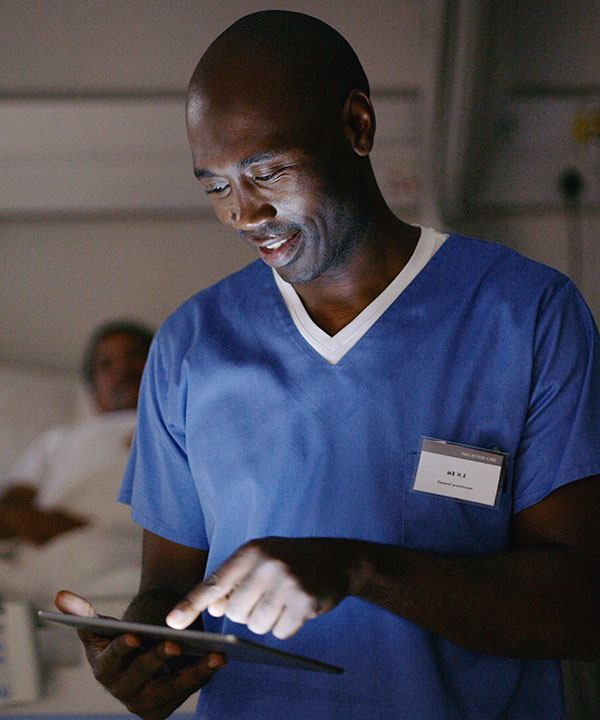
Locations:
333 348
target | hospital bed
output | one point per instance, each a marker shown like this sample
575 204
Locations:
61 685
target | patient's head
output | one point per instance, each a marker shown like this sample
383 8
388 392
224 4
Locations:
113 363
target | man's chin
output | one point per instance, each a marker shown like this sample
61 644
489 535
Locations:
124 401
295 275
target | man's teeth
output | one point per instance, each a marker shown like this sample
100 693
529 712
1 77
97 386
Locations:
276 244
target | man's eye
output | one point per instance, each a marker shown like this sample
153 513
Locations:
271 174
215 189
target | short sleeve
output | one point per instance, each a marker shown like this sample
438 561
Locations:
561 438
158 483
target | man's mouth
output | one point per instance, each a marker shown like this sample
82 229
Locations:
275 243
277 247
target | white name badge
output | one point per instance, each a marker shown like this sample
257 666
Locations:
464 473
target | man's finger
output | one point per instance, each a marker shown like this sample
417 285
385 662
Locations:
96 644
186 611
179 685
214 588
266 612
72 604
132 675
264 577
293 618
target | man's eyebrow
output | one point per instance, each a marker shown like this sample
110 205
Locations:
250 160
258 158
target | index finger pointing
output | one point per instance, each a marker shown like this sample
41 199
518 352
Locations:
214 589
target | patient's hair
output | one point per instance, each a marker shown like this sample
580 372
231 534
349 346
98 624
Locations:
112 327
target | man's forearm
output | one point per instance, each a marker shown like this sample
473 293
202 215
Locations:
538 599
526 602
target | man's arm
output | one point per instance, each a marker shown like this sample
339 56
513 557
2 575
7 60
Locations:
169 570
540 598
146 680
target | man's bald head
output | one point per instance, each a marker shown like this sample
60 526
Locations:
280 127
279 54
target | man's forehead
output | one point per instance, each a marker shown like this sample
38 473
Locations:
245 134
210 159
258 90
243 101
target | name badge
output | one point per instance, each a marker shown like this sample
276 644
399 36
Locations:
467 474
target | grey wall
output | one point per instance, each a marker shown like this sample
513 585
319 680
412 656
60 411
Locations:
541 70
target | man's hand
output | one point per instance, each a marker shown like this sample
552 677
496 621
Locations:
272 584
140 676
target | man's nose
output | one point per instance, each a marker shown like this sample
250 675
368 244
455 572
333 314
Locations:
248 209
123 368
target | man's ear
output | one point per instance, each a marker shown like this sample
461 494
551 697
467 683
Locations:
359 122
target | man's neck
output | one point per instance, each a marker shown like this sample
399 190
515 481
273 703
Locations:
334 299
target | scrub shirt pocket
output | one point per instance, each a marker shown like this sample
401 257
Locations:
447 526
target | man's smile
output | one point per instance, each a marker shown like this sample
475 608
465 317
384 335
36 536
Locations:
275 243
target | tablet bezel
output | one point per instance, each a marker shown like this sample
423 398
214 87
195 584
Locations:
194 642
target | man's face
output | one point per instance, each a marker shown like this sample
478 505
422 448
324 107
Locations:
281 180
118 366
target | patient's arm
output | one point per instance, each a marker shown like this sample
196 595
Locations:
15 506
21 518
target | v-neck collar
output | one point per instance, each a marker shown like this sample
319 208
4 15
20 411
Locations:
333 347
302 369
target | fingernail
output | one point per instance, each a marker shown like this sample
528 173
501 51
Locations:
215 662
132 641
176 618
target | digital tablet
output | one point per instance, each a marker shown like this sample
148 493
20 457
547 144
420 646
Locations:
194 642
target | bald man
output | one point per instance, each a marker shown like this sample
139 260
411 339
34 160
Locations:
377 445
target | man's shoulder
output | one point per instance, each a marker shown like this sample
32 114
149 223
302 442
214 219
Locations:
213 305
241 281
500 264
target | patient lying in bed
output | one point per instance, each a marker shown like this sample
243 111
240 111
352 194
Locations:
60 522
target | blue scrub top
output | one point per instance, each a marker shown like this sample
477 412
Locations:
245 431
